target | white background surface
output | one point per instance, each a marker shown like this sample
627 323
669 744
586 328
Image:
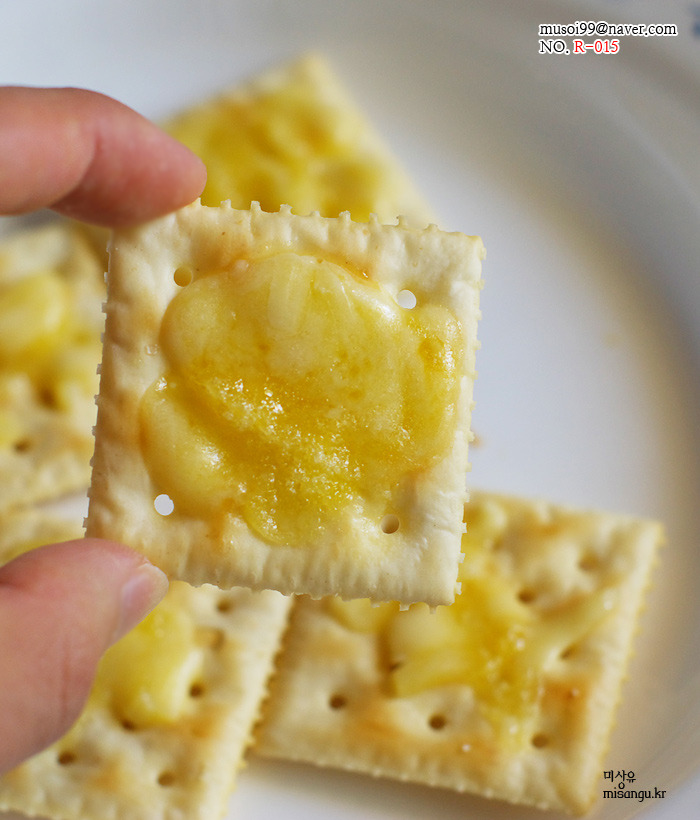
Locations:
582 175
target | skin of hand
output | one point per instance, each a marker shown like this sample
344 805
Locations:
89 157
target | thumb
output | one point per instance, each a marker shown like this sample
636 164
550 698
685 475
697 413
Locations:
61 607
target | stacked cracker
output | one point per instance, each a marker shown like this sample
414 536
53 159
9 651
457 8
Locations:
514 699
112 765
294 136
352 713
51 291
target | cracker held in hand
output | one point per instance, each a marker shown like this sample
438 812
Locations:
308 433
509 693
165 728
51 294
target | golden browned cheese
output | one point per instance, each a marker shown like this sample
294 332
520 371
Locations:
490 639
296 387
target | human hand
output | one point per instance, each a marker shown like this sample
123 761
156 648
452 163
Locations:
61 606
89 157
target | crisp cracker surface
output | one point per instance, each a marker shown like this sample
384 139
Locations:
293 135
46 421
182 770
580 574
417 562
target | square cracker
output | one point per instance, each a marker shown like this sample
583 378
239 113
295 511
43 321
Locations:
47 411
293 135
356 554
517 706
182 768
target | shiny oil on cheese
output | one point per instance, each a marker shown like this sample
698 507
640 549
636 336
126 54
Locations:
296 391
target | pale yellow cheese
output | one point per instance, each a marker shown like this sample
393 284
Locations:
149 676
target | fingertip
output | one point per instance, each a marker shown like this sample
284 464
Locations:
138 172
92 158
141 593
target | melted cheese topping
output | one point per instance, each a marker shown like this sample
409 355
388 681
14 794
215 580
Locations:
147 677
286 144
47 349
491 639
297 392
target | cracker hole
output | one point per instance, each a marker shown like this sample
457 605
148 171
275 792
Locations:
23 445
164 504
197 690
128 726
540 740
183 276
224 605
338 701
589 562
66 758
390 523
437 722
211 638
166 779
47 397
406 299
527 596
567 652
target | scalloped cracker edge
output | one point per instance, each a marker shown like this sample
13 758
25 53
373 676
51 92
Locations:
417 563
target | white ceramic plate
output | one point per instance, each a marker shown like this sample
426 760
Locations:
582 175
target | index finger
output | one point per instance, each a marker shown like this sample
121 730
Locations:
90 157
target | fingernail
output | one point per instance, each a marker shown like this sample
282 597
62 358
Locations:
140 594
